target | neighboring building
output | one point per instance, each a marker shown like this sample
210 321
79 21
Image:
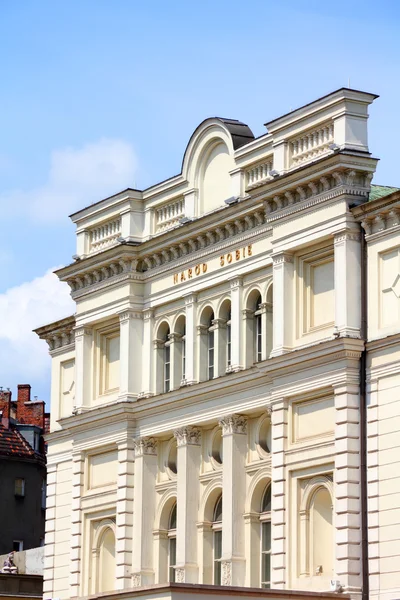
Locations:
232 367
22 471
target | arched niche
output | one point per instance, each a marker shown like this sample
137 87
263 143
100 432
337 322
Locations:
215 184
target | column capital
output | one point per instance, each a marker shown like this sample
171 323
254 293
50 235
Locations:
346 388
233 424
282 257
129 313
148 314
145 446
188 436
189 298
235 282
346 235
81 330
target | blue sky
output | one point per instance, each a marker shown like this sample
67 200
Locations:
99 95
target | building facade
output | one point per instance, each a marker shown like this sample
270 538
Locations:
22 471
225 400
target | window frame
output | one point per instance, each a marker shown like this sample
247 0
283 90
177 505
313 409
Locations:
217 535
22 493
265 521
172 545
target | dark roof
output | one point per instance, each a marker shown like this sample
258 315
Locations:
240 132
380 191
13 444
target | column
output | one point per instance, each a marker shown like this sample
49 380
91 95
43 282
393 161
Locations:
49 549
236 324
191 338
347 251
144 510
130 356
124 514
348 563
234 440
83 366
279 421
373 486
147 354
283 294
76 526
188 490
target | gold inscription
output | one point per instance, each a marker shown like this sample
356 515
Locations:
224 260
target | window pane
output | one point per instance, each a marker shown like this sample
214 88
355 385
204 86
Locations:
266 570
172 559
172 519
266 501
183 359
217 573
217 544
266 536
218 510
19 486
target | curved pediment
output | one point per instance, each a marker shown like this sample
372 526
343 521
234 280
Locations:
209 159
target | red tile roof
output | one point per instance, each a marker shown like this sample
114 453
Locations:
13 444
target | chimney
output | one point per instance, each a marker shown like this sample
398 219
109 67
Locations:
29 413
5 408
24 392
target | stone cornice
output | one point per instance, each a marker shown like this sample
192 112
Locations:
58 335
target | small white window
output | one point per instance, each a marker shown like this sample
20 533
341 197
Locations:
172 544
265 518
217 541
228 342
19 487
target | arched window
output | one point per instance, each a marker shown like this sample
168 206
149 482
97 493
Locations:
217 541
265 519
172 545
184 354
228 342
162 345
106 562
258 337
322 532
210 348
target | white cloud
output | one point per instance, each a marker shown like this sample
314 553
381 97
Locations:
22 308
76 178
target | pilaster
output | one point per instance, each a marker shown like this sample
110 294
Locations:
347 255
189 460
283 293
124 514
348 559
237 358
83 366
49 549
234 439
78 464
373 485
279 423
147 352
191 338
130 359
143 516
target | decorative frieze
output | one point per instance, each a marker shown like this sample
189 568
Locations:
188 436
226 572
233 424
350 182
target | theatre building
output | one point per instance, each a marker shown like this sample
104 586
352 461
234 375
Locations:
225 402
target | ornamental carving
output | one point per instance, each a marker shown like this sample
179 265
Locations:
145 446
226 576
233 424
282 257
188 436
136 580
179 575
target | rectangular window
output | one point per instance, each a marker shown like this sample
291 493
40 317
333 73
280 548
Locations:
172 559
217 557
266 554
210 354
167 368
18 545
112 363
19 487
